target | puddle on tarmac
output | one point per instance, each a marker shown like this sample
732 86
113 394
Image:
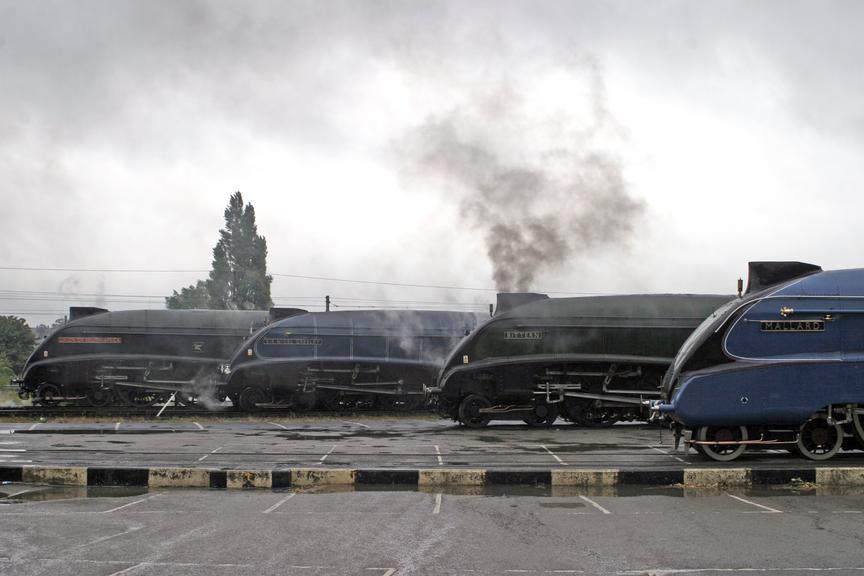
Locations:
12 493
21 493
112 431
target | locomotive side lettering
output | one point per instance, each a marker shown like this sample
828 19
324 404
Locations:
89 340
295 341
792 325
523 335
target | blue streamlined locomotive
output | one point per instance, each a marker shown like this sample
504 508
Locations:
345 359
781 367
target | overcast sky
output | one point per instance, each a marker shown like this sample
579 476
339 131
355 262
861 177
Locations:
594 146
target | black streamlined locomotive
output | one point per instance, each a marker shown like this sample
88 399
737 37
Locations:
345 359
136 357
594 360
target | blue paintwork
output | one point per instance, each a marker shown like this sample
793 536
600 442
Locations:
363 335
779 377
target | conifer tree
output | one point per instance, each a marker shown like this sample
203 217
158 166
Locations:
238 276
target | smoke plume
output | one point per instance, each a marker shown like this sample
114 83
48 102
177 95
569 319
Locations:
530 172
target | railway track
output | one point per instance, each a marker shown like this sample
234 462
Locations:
181 412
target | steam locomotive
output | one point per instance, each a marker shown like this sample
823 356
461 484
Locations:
782 367
136 357
593 360
345 359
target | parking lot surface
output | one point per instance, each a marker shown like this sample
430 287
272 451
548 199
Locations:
360 442
509 530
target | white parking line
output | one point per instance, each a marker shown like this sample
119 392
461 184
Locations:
7 431
437 508
517 571
595 505
324 457
132 503
198 425
202 458
438 453
766 508
128 570
553 455
13 449
278 504
668 454
278 425
357 423
388 571
174 565
104 538
33 427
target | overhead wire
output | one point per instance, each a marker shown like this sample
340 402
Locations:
274 274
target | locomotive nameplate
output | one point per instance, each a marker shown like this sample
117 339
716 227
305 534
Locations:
293 341
89 340
523 335
792 325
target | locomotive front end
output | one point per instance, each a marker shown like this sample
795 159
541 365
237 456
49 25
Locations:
779 368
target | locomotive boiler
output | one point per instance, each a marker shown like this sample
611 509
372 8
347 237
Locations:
783 367
345 359
593 360
135 357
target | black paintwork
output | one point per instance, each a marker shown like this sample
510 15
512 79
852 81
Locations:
135 354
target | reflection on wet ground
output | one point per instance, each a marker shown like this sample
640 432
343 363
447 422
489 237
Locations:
16 493
19 493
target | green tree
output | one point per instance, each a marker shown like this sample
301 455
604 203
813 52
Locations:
8 397
238 276
193 296
16 341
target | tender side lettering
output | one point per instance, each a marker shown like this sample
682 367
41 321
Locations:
89 340
523 335
294 341
792 325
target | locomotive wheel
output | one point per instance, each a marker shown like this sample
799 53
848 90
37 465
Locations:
469 411
47 394
543 415
250 397
303 401
858 424
585 413
819 440
722 452
330 401
137 397
99 397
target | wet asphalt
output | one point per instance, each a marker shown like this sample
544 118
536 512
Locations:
507 530
360 442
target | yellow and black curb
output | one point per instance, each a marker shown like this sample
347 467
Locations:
432 477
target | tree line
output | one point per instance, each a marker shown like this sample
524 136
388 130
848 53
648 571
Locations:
238 280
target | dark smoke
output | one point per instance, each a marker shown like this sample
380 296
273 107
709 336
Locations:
535 182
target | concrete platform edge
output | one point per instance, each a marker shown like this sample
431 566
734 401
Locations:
192 477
